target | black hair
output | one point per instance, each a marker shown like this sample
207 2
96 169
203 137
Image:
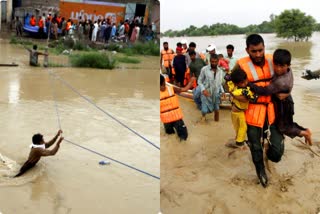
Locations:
161 80
238 76
179 44
37 138
230 47
35 47
192 44
281 57
254 39
192 53
165 43
213 56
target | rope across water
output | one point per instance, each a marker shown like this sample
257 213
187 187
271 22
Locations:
105 112
85 148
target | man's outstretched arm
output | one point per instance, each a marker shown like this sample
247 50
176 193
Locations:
48 144
46 152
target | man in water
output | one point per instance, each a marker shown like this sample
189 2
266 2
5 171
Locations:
39 149
34 55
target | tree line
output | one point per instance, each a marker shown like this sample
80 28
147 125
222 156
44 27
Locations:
290 24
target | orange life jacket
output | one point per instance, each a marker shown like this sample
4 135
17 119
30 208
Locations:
68 26
257 112
33 21
167 57
169 106
166 77
58 20
40 23
186 76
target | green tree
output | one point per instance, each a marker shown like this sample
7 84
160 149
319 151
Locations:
294 24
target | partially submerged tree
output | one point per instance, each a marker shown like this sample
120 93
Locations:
294 24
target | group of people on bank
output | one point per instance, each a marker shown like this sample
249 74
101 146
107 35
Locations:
101 30
260 86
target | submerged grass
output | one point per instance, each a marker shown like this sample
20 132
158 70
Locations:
93 60
126 59
16 40
55 65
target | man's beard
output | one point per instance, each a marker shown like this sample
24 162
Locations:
259 63
214 67
166 49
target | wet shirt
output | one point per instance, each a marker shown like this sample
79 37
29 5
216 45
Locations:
278 84
196 66
211 81
179 63
33 57
188 59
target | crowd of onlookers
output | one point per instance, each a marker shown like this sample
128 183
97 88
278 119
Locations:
101 30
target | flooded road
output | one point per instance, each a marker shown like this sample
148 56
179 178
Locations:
201 175
72 181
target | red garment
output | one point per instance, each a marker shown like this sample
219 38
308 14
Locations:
179 49
224 64
126 27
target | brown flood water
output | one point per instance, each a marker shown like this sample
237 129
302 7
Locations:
198 176
72 181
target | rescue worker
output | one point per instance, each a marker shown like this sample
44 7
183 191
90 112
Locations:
41 28
166 58
33 21
170 112
260 116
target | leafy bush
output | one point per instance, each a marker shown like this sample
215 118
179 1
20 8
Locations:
93 60
80 46
148 48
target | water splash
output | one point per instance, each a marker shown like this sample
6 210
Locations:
9 168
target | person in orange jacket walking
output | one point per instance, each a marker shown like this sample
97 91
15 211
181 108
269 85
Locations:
170 111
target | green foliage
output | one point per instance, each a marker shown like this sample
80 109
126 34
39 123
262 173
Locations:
93 60
58 49
13 40
69 43
148 48
16 40
80 46
52 64
317 27
114 47
128 60
300 27
294 24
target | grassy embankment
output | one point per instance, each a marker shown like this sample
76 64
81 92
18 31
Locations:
85 54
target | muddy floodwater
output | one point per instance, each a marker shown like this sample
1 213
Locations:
201 175
104 113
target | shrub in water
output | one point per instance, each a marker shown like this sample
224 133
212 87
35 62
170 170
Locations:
93 60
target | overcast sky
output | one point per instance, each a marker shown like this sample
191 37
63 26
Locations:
180 14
